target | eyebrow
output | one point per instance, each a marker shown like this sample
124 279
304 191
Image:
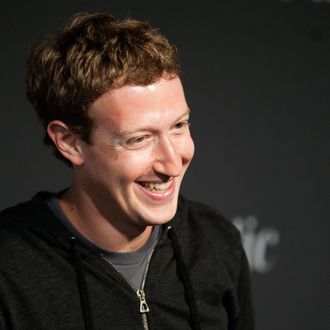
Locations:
129 132
187 113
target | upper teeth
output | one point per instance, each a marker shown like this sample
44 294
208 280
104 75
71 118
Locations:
157 186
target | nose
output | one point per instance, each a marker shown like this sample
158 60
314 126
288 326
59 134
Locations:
167 158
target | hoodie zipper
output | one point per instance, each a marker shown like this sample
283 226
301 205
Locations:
143 307
141 295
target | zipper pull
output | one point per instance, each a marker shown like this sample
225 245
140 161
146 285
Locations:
143 304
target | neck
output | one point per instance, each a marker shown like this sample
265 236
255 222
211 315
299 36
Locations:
107 233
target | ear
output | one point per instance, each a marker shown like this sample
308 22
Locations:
67 142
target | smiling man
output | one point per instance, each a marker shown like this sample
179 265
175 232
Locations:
119 248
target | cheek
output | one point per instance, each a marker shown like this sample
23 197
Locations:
131 165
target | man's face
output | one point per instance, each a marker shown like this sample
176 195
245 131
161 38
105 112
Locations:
141 148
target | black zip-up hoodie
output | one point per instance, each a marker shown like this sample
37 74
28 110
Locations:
198 276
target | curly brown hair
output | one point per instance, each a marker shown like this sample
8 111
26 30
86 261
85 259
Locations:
92 54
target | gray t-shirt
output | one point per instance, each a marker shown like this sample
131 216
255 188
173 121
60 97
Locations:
131 265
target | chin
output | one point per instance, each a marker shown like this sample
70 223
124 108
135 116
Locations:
159 216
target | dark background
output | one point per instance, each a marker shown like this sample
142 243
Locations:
256 76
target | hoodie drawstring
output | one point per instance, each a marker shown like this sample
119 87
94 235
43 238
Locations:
185 277
85 304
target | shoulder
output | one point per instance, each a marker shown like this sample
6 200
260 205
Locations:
24 214
206 221
30 236
16 239
26 225
206 235
210 242
17 222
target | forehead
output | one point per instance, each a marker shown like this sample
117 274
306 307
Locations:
129 106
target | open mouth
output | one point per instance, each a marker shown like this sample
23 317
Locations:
156 187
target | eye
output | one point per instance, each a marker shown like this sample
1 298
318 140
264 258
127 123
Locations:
182 124
138 141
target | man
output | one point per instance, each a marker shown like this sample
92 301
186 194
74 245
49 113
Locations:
118 249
